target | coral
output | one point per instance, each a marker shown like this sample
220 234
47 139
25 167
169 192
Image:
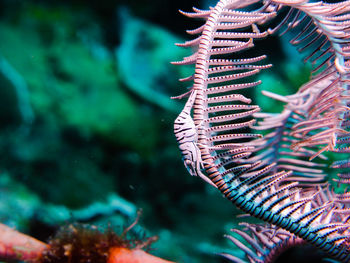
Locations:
17 246
76 243
83 243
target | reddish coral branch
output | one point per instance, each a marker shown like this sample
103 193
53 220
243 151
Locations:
17 246
75 244
124 255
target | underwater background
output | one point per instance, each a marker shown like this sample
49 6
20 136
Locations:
86 122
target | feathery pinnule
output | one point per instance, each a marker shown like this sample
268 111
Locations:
276 177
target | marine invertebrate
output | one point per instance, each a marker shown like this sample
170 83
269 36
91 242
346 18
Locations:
276 177
84 243
17 246
77 243
266 243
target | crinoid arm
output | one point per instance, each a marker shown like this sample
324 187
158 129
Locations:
272 165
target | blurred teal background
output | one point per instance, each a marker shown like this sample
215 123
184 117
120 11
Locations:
86 123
